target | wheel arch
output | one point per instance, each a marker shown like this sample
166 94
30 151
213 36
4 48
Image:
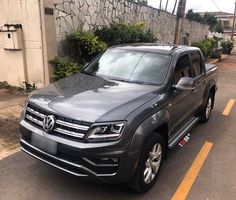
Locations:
158 123
211 88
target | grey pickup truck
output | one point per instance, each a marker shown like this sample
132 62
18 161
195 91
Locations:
116 120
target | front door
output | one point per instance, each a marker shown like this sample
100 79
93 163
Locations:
180 107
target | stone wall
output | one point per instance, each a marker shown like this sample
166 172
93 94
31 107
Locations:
90 14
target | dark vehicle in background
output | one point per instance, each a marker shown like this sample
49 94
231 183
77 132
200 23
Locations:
116 119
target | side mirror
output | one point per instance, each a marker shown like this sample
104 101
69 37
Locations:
185 84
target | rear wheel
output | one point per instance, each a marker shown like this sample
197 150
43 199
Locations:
206 113
150 164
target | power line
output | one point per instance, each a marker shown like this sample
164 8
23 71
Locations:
216 5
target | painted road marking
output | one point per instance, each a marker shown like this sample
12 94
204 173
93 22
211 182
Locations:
229 107
186 184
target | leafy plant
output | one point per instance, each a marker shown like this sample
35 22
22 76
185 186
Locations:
84 46
207 46
219 27
121 33
64 67
227 46
207 18
5 85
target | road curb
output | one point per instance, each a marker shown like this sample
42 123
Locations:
217 60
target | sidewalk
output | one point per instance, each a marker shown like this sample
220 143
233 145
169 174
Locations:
214 60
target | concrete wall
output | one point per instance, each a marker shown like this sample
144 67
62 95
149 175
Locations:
90 14
30 62
45 23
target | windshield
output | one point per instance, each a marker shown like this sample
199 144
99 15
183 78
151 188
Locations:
130 66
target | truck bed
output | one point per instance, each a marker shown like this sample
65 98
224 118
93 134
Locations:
210 66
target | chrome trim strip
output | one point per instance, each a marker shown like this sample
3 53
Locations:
35 112
34 120
70 133
182 133
62 160
99 165
71 125
76 174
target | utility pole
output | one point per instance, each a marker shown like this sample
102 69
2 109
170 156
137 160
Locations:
232 35
179 21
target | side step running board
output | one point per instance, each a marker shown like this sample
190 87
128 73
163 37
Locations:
182 133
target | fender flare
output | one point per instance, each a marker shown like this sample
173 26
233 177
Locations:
211 84
147 127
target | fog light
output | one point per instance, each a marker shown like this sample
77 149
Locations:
109 160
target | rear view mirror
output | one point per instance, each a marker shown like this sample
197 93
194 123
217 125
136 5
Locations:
185 84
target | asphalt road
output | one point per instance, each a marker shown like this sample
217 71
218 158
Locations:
24 178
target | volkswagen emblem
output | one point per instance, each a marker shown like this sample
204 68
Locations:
49 123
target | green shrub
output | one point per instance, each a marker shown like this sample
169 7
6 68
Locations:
64 67
84 46
207 46
121 33
227 46
5 85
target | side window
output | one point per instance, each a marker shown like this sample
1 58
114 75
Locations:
196 64
182 68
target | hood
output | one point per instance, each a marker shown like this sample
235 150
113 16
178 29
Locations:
92 98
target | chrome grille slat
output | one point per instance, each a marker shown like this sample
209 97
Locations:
70 133
62 128
70 125
34 120
36 112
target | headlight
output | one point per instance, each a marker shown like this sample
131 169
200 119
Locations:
108 132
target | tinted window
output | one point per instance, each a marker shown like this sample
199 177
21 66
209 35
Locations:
182 68
131 66
196 63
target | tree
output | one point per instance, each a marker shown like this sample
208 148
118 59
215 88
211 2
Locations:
219 27
207 18
160 5
167 2
192 16
210 20
174 6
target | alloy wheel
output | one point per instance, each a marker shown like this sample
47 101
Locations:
208 108
152 164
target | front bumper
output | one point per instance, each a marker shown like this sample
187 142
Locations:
108 162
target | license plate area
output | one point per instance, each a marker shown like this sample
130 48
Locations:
43 143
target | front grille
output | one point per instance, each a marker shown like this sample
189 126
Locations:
64 127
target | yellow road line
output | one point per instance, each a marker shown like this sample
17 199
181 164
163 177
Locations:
228 107
186 184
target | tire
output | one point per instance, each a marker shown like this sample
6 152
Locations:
146 174
206 112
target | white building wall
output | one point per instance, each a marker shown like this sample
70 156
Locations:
14 67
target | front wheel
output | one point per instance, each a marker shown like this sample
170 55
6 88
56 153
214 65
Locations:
206 113
150 164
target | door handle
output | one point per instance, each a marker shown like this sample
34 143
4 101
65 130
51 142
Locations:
204 82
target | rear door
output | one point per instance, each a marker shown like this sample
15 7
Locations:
199 75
